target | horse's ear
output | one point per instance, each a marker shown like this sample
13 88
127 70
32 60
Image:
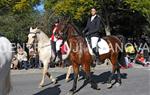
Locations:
31 29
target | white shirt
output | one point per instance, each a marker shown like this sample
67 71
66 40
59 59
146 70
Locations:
92 18
22 57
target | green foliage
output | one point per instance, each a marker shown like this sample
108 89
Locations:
22 5
18 5
16 27
16 16
142 6
122 16
76 9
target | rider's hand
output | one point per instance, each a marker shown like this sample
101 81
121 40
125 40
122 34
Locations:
83 33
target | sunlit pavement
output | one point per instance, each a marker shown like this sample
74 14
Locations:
136 81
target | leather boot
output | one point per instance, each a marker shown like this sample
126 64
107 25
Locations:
59 55
97 57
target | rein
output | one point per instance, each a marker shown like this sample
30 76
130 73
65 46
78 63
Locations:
45 46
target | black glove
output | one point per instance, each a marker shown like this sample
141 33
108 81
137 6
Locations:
84 33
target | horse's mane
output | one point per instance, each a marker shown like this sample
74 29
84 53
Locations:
76 33
75 29
42 33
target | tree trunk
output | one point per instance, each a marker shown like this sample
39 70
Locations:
107 24
107 30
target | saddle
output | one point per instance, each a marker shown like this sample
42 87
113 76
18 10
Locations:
63 48
102 47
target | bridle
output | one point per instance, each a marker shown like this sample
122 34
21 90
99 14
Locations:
64 31
34 37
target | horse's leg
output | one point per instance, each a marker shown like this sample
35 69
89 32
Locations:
109 85
118 81
51 77
46 66
86 68
45 69
68 73
76 72
113 62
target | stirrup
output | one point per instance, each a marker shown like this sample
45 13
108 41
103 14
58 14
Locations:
97 61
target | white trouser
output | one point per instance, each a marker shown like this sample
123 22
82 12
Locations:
58 44
94 42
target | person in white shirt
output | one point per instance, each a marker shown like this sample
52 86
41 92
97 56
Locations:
22 58
92 32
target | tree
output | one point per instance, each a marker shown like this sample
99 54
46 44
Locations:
17 6
16 16
76 9
109 10
142 6
16 27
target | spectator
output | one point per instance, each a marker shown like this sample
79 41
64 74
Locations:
14 63
141 60
22 58
130 51
33 59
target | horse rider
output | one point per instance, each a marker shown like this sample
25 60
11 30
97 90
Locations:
91 31
57 41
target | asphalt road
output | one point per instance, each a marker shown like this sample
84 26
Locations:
136 81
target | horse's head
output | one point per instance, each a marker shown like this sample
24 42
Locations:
32 36
66 30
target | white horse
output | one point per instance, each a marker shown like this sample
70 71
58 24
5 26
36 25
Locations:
46 54
5 62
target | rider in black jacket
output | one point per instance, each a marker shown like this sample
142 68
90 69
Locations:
91 31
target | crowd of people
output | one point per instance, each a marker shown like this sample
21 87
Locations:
138 52
22 60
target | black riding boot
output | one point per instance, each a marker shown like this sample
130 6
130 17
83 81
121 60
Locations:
97 57
54 50
59 55
61 62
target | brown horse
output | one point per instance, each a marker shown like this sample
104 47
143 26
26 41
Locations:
79 55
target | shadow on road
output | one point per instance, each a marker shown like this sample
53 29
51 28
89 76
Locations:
102 78
62 77
50 91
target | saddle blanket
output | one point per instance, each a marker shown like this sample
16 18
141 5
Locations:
64 48
103 47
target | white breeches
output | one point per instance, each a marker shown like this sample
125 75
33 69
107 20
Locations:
58 44
94 41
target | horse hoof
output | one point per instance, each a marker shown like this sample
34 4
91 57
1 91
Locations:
117 84
68 80
40 86
55 82
70 93
98 88
109 86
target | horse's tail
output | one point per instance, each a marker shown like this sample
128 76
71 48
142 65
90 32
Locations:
122 54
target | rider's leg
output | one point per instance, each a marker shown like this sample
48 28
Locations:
94 42
58 44
54 49
54 46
